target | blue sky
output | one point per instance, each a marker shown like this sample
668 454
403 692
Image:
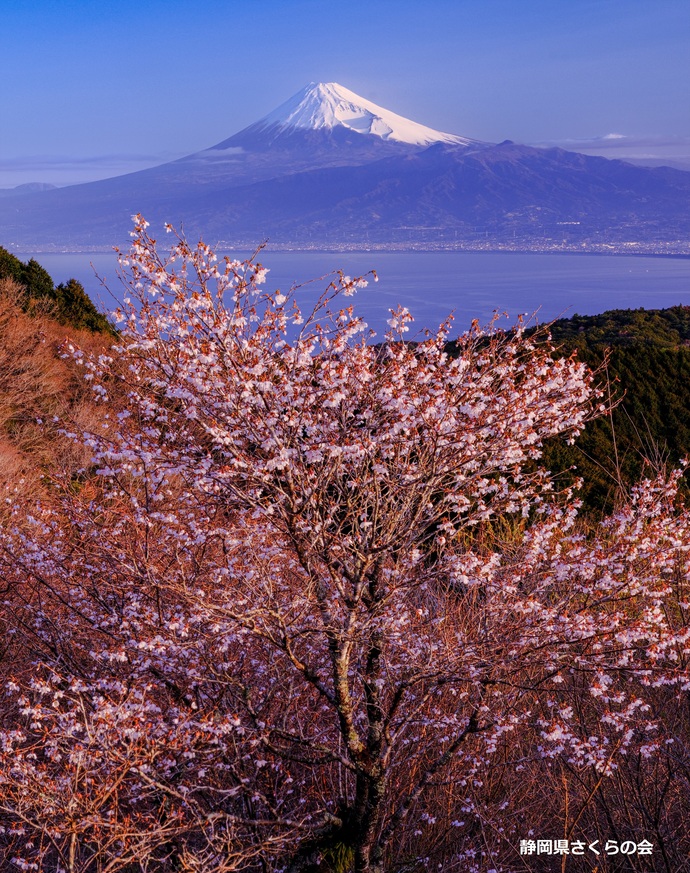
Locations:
91 89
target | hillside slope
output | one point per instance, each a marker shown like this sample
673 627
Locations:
42 390
647 375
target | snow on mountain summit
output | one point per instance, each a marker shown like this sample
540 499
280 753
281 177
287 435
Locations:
324 106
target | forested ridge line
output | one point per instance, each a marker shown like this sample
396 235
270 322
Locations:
643 357
42 390
67 302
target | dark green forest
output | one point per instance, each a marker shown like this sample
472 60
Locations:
643 361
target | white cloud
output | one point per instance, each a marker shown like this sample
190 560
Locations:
70 170
671 151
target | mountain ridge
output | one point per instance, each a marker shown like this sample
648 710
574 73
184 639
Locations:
321 170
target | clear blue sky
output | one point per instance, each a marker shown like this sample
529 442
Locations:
88 89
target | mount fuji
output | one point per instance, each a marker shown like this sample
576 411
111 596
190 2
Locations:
334 110
330 168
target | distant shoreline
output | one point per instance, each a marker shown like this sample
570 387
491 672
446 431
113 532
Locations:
333 250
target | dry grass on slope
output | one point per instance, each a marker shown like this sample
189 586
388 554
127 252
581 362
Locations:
40 391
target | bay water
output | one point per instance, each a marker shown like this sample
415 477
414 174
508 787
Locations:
433 284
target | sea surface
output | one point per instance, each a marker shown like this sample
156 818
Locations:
433 284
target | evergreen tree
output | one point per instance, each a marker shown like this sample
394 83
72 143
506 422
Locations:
75 307
70 303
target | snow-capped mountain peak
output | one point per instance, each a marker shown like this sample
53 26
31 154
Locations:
324 106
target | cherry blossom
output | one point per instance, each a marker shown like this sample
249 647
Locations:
314 584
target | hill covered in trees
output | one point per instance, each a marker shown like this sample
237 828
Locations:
643 360
67 302
42 391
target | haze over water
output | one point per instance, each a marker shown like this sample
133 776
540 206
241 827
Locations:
432 284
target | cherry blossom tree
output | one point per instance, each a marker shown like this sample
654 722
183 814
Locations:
315 589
